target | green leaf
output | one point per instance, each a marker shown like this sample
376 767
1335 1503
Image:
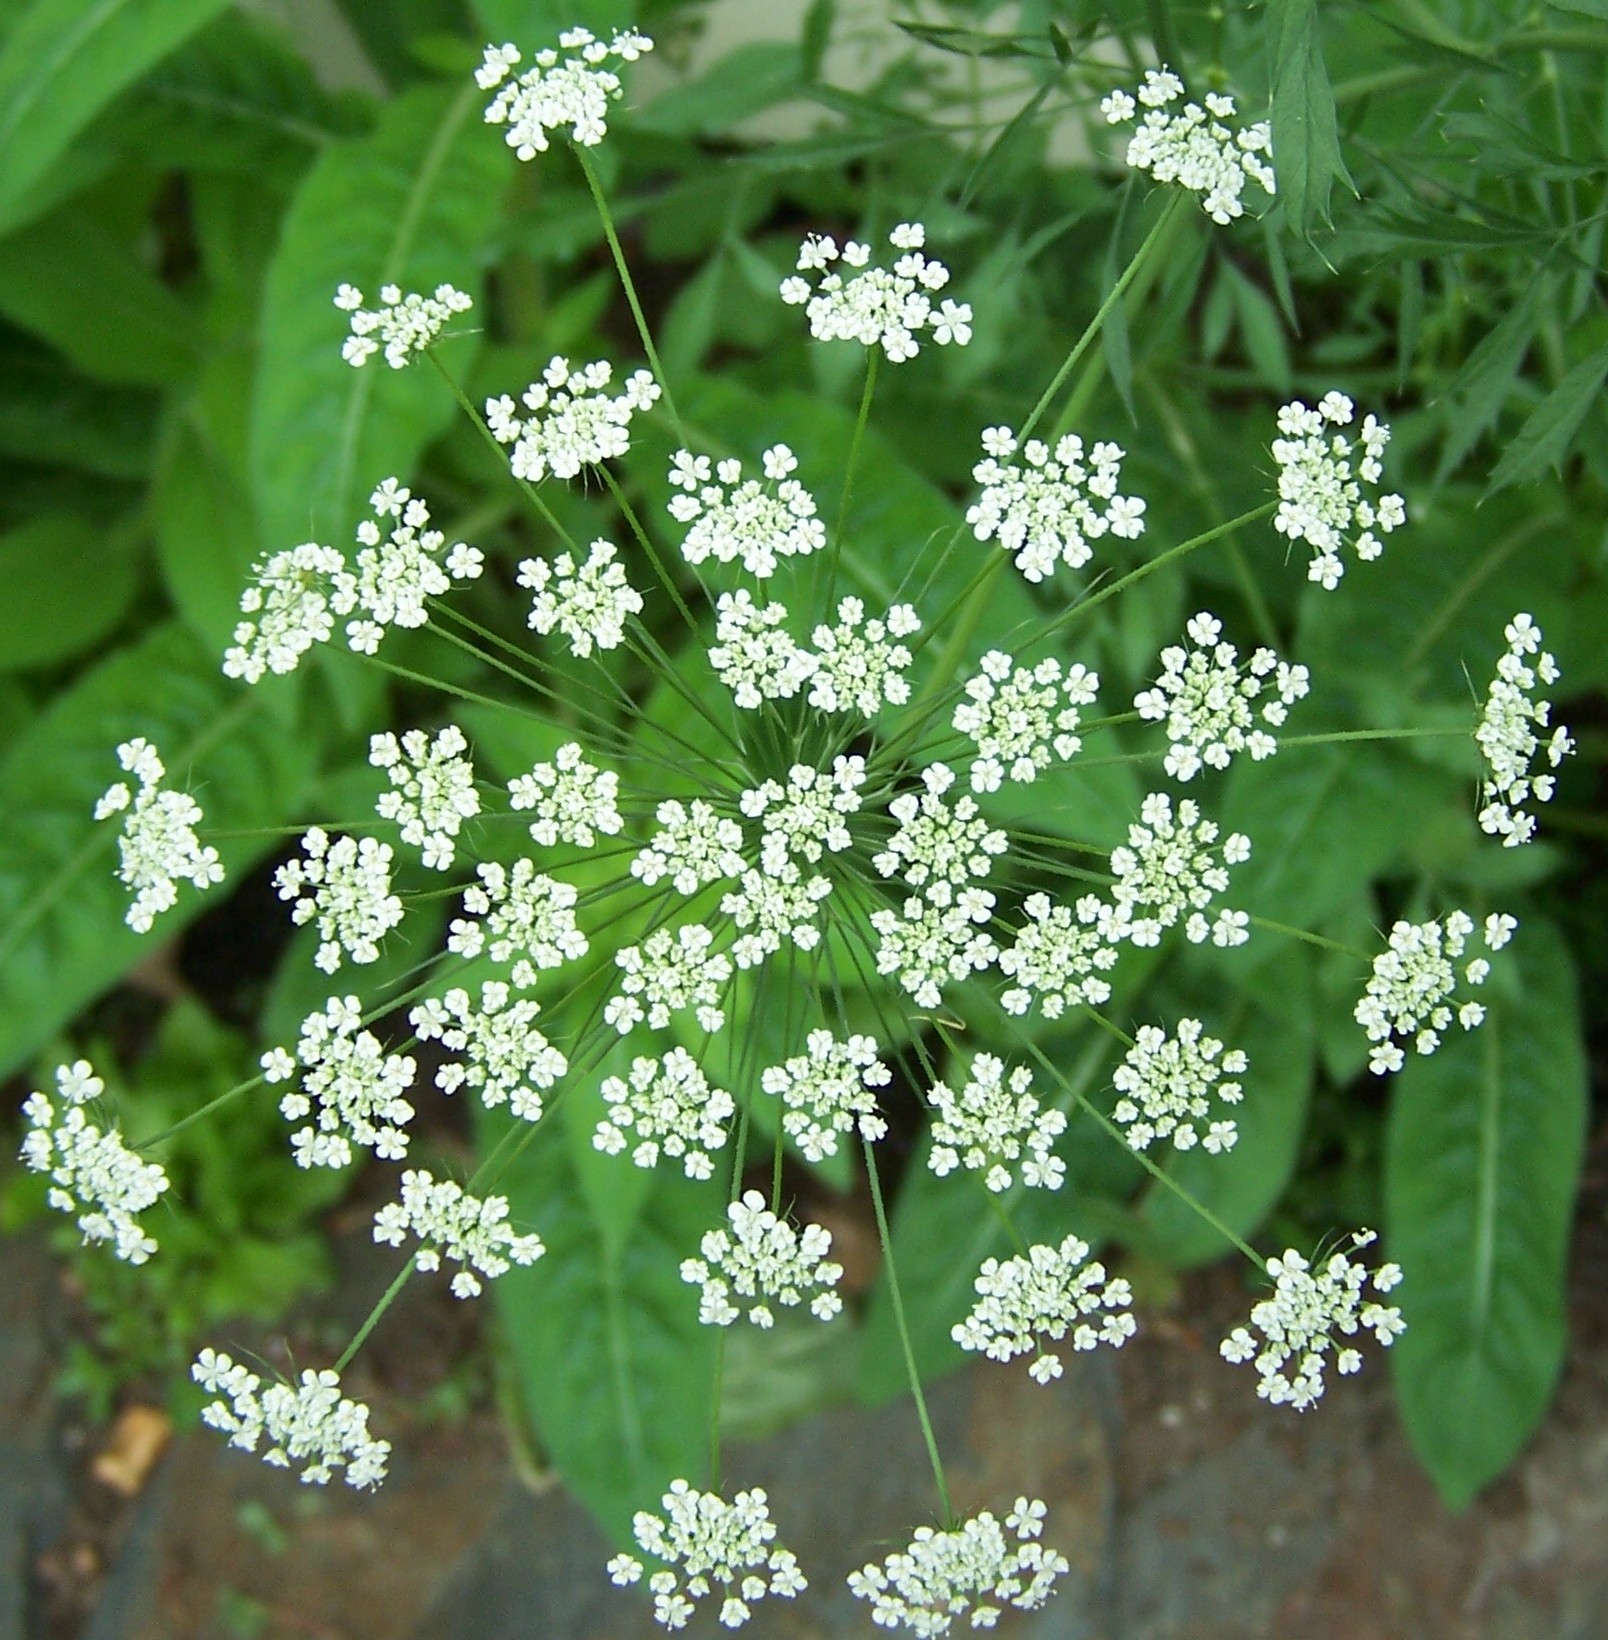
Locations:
1582 8
68 583
64 61
1482 1158
1306 140
52 414
62 935
413 205
745 81
971 42
1481 387
817 35
1543 441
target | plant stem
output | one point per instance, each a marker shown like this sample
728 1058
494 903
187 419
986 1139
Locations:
386 1300
835 545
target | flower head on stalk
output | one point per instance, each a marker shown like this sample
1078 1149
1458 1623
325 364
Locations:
433 789
729 517
450 1223
762 1258
406 325
990 1122
1508 739
573 423
555 92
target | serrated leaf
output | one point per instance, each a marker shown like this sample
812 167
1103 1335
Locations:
414 204
1482 1157
62 935
1306 140
68 583
1481 387
63 62
1543 441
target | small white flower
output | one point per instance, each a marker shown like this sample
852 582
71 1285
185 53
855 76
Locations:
669 972
1167 1086
1017 716
574 799
770 906
309 1423
290 599
935 938
1299 1321
693 847
526 917
346 886
433 789
859 665
93 1174
762 1258
665 1105
573 91
937 843
713 1543
504 1055
1047 508
755 654
589 604
989 1124
1169 870
158 846
1052 1292
809 818
574 421
406 325
827 1091
1060 955
732 518
450 1223
1508 738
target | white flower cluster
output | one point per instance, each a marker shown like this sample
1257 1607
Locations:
1507 736
158 845
692 847
357 1087
573 423
1060 955
1016 715
808 818
762 1258
733 518
941 1576
934 938
346 885
92 1174
505 1056
433 789
555 92
529 916
989 1124
1206 699
574 799
668 1105
309 1423
1193 146
1320 499
407 325
296 595
755 654
938 847
1048 508
771 906
1410 993
1168 869
1301 1318
876 307
1167 1086
450 1223
712 1541
671 971
589 604
1051 1292
827 1091
858 663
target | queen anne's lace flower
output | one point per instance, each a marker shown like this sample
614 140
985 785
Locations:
941 1576
713 1542
291 598
356 1086
827 1091
1167 1086
1060 955
528 916
876 307
504 1055
158 845
1299 1321
555 92
858 665
670 971
433 789
1320 499
92 1173
407 325
450 1223
755 654
1051 1292
665 1104
762 1258
574 799
1017 715
1168 870
772 906
589 605
1194 146
935 938
988 1124
1206 699
1047 509
309 1423
692 847
346 885
1411 993
808 818
1507 736
936 843
574 422
733 518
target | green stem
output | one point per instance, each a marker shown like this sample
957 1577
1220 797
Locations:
645 541
1309 937
835 545
196 1115
386 1300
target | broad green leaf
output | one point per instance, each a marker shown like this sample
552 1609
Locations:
62 935
1543 441
1582 8
604 1334
63 62
1482 1158
412 205
1306 140
745 81
68 583
51 413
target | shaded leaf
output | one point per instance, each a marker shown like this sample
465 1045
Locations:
1306 139
1543 441
745 81
68 583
